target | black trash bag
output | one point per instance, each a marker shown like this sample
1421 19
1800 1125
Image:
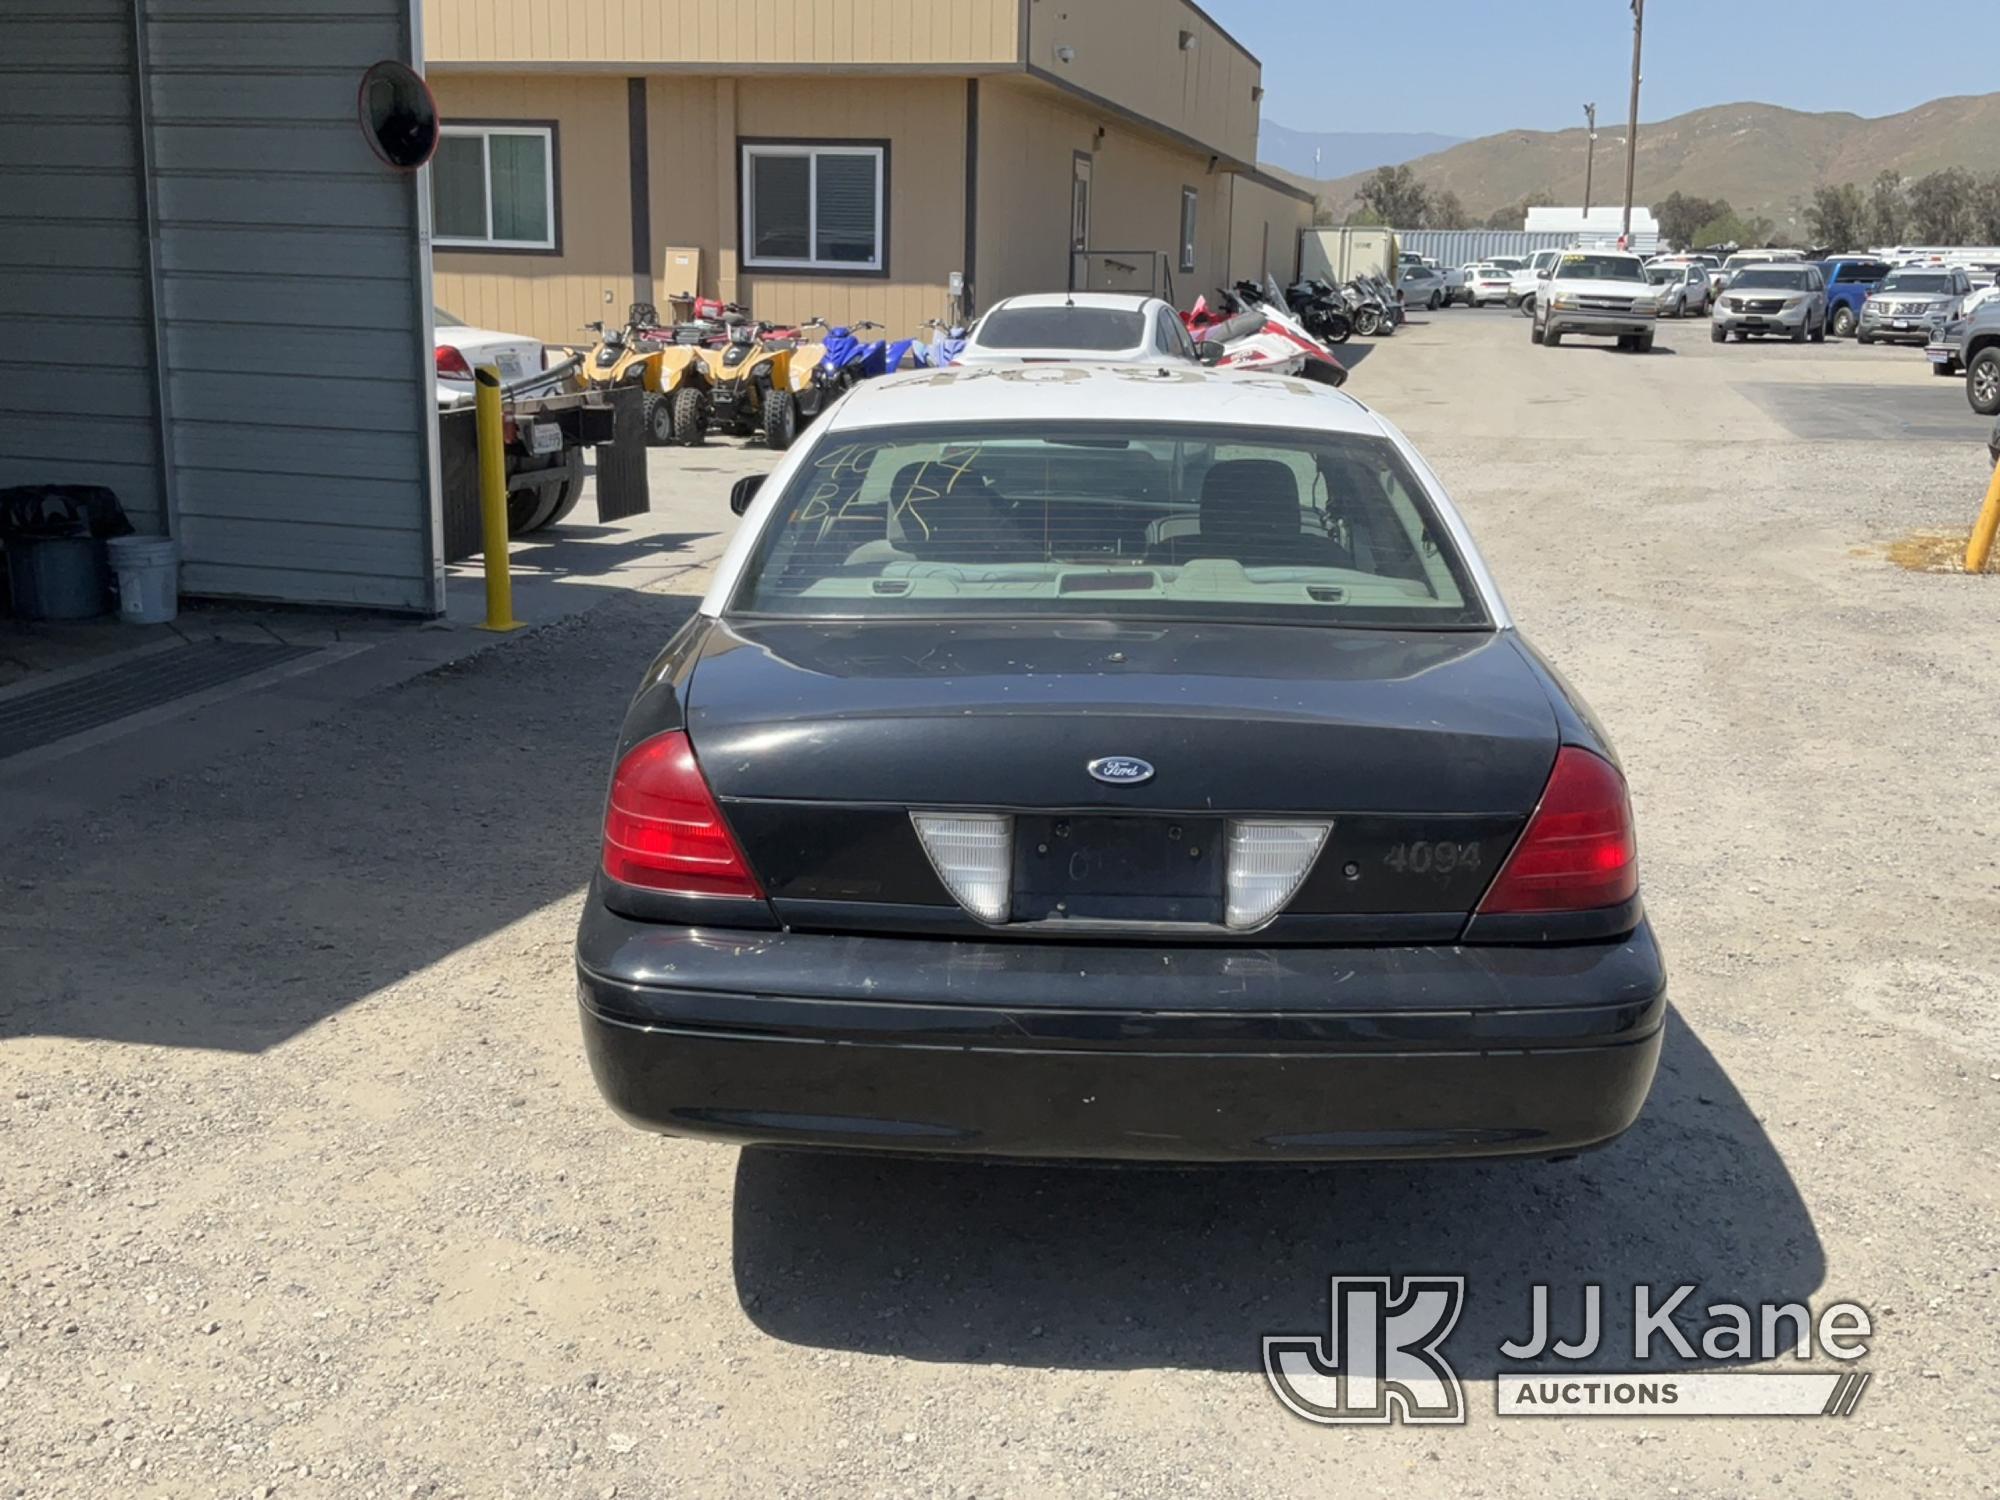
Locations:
39 512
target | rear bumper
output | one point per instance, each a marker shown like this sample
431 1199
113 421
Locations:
1096 1052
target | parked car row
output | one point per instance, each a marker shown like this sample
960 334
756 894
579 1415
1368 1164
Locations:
1762 294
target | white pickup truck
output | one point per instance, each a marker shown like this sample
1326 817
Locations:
1604 293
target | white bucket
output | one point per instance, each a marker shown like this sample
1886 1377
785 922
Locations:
148 578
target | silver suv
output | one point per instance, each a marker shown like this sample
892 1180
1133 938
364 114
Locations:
1787 298
1911 302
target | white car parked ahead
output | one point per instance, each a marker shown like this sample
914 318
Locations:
1119 327
461 349
1487 284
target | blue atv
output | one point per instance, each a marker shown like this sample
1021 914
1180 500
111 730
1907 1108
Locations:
947 342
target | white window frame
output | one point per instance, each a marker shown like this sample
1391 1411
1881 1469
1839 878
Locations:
485 133
812 152
1190 226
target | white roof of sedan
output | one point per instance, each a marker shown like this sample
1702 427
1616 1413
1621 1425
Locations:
1121 301
1089 391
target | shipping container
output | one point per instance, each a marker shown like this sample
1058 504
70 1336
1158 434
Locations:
1465 247
1342 254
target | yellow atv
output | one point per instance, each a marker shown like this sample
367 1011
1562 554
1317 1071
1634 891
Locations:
672 375
807 371
750 384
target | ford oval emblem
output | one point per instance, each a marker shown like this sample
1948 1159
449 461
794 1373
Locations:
1121 770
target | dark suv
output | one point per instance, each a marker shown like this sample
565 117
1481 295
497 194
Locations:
1974 344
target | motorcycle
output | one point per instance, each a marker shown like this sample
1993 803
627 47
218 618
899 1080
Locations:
1258 332
1373 314
750 387
1322 309
1391 300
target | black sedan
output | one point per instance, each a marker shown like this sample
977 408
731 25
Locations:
1121 764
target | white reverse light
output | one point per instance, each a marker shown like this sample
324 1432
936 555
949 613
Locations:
1267 863
973 854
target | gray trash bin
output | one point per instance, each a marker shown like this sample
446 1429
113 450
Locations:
54 535
58 577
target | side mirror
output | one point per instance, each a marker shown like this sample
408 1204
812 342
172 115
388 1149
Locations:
744 491
1209 352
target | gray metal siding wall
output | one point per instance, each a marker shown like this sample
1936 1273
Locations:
77 401
291 292
1462 247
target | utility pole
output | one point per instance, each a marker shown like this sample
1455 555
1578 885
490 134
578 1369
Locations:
1590 160
1632 132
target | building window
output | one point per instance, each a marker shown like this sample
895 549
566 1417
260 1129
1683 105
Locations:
493 187
1190 202
815 208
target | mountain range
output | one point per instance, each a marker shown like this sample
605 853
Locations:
1762 158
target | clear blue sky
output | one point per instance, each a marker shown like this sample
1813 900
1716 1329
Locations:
1473 67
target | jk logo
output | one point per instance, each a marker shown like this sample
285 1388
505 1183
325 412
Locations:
1379 1360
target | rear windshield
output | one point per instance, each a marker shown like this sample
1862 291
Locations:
1863 270
1916 281
1579 267
442 319
1131 521
1771 278
1101 329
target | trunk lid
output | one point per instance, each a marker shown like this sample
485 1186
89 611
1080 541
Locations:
1426 750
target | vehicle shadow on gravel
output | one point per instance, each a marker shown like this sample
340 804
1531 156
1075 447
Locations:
1101 1268
272 889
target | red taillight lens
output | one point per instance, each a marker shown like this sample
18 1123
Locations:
451 364
662 829
1578 852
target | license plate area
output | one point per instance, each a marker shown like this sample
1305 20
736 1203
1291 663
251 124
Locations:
1117 869
544 438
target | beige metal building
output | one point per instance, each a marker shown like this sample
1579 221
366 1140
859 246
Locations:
840 158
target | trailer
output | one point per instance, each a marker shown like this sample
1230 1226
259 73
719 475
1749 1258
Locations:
552 432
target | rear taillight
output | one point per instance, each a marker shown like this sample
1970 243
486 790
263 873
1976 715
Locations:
662 829
1578 852
451 364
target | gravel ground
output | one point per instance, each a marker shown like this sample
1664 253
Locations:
305 1190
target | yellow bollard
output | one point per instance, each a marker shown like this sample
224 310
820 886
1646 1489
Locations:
493 499
1980 547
